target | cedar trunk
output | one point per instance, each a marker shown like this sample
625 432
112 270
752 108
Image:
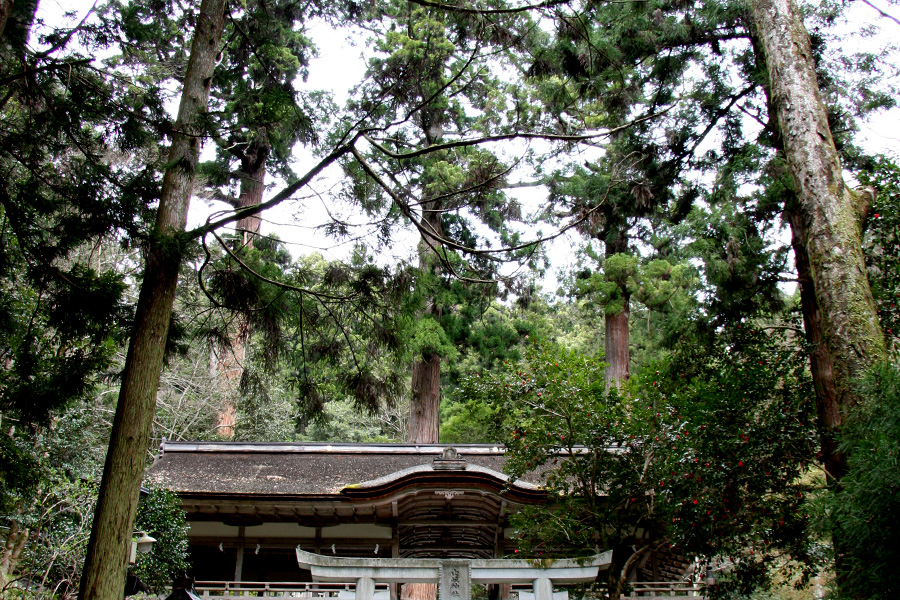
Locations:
253 183
424 407
618 355
829 212
105 564
425 403
827 408
230 367
418 591
617 342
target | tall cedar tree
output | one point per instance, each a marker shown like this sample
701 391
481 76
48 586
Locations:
257 103
831 215
106 559
602 60
432 84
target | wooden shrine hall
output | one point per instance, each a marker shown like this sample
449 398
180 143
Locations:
251 505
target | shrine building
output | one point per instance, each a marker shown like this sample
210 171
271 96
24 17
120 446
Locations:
255 509
250 505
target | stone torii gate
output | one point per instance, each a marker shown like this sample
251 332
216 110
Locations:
455 576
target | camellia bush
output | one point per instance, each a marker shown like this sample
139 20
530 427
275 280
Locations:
707 456
881 244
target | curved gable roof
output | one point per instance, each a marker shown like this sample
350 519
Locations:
473 476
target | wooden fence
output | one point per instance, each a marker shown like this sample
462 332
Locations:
231 590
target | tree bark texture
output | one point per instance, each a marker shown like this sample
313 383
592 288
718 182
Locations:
617 342
13 544
425 403
827 407
618 355
228 369
253 183
105 564
230 365
829 212
418 591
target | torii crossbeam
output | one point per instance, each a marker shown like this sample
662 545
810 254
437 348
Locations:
455 576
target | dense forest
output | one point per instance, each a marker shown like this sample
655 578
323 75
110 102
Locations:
725 320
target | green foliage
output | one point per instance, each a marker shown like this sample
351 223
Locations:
658 284
741 266
882 242
343 422
413 97
861 510
160 515
742 438
79 157
58 524
265 412
428 339
707 461
19 473
330 329
60 335
62 310
255 98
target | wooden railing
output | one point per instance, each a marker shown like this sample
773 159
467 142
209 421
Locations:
229 590
663 590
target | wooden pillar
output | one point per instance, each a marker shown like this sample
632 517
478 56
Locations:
239 559
504 590
395 553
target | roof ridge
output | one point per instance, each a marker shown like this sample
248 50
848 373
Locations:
326 447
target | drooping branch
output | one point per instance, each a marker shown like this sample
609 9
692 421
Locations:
284 194
428 233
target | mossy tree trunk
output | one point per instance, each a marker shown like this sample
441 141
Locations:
829 213
827 408
105 564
